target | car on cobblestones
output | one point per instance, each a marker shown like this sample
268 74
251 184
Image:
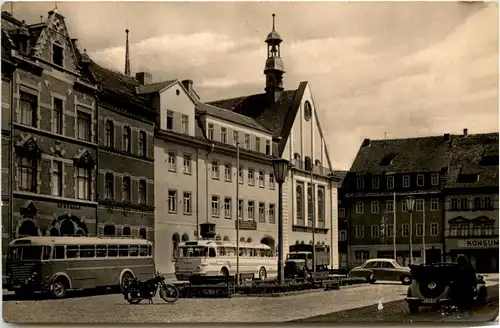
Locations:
382 269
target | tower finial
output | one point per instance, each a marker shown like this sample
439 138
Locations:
273 20
127 56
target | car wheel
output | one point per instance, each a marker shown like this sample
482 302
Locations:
262 274
481 296
59 288
405 279
371 279
413 307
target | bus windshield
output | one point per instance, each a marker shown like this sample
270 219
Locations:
194 251
29 253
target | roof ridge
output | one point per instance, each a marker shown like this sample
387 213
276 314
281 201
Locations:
251 95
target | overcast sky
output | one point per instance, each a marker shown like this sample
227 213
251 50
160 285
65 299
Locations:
405 69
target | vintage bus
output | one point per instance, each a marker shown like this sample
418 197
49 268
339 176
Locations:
58 264
210 257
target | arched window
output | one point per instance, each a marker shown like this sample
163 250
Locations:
300 202
309 203
126 189
175 246
226 238
54 232
242 239
307 110
297 242
321 205
126 231
142 191
217 237
317 162
308 163
185 237
143 233
109 134
27 228
249 240
142 144
126 139
109 186
109 230
67 228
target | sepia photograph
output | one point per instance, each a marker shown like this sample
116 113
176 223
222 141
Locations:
250 162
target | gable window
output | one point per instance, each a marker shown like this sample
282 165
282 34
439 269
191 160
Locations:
215 170
228 172
257 144
247 141
215 206
240 209
240 175
57 54
406 181
359 208
321 204
57 186
210 131
262 212
434 204
57 119
271 181
300 201
172 201
251 215
272 215
28 104
185 124
390 182
186 168
109 186
375 231
419 204
236 138
375 206
268 147
83 183
126 139
186 203
261 179
109 132
227 208
84 124
420 180
251 178
435 179
142 144
172 165
375 182
389 206
170 120
360 182
126 189
360 231
142 191
223 135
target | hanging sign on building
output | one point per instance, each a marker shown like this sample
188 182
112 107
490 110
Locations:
478 243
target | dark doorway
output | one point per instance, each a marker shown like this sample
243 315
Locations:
143 234
28 228
126 231
67 228
109 230
54 232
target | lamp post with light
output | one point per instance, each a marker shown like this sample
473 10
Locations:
410 203
280 167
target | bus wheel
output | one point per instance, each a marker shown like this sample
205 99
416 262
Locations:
127 279
262 273
59 288
224 272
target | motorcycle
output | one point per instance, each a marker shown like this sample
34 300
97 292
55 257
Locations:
137 290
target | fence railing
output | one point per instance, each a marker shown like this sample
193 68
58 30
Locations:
471 232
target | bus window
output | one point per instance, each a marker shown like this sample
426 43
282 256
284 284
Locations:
262 252
100 250
230 251
134 250
243 251
46 252
87 251
72 251
123 250
222 251
212 252
268 253
112 250
143 250
59 252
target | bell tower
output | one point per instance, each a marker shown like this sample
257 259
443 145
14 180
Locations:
274 66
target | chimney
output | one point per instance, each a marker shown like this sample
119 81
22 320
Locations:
446 137
366 143
466 132
144 78
188 84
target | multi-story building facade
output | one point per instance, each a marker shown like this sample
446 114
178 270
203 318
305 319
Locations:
53 149
384 173
471 201
342 220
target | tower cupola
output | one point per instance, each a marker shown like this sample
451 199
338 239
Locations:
274 68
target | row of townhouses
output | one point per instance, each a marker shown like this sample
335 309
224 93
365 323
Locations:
90 151
454 181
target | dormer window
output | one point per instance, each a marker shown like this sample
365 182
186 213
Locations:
360 183
420 180
406 181
375 182
387 160
223 135
390 182
170 120
57 54
268 147
435 179
257 144
210 131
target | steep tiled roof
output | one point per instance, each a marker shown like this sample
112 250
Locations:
272 117
230 116
474 155
341 175
154 87
403 155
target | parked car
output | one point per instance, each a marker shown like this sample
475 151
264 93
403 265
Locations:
382 269
432 286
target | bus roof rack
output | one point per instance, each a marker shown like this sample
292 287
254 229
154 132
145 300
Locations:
102 237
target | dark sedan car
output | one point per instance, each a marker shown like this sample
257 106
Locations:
382 269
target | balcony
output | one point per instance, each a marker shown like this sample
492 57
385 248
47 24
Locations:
485 232
308 166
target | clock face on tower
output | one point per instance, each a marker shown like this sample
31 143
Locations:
307 110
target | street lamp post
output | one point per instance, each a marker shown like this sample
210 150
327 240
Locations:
410 202
280 167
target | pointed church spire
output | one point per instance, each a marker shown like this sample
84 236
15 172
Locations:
274 69
127 56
